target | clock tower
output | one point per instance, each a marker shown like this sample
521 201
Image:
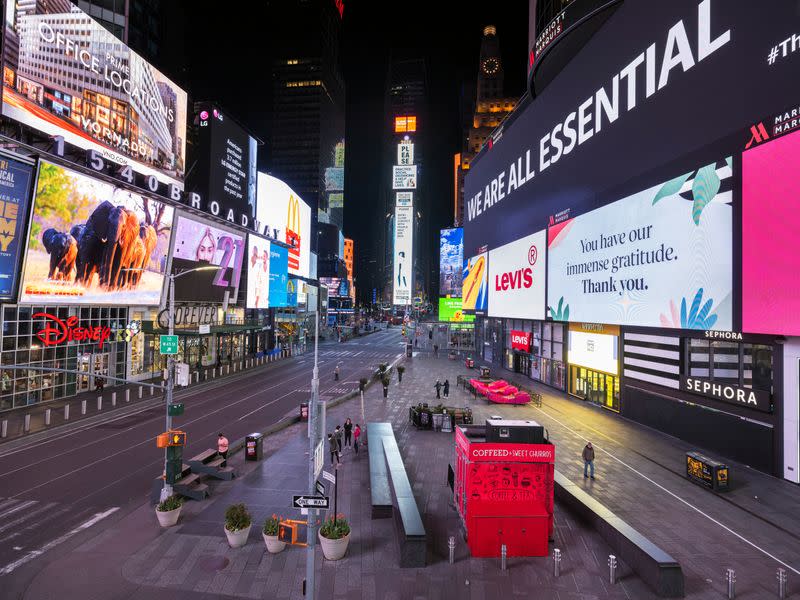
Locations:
490 66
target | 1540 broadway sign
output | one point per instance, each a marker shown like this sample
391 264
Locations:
757 399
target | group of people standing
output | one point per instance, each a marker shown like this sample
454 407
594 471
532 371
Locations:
342 437
442 387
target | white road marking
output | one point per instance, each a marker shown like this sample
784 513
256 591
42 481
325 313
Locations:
20 507
27 515
13 566
677 497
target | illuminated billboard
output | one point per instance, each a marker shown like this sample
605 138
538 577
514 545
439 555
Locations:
661 257
403 252
475 284
450 310
65 74
15 189
517 278
405 153
258 278
201 243
451 260
93 243
278 276
404 178
405 124
279 207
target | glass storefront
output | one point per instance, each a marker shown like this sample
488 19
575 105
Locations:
593 356
593 386
545 361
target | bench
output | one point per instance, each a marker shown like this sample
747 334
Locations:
411 535
189 485
652 564
380 490
211 462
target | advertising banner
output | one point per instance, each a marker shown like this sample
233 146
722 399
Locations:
278 276
404 178
451 260
659 258
403 252
616 113
517 278
257 272
200 243
521 340
92 243
65 74
15 189
450 310
405 153
475 284
279 207
594 350
770 226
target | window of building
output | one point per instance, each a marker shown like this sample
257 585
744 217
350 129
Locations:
743 365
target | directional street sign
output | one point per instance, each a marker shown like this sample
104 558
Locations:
329 477
168 344
310 502
320 488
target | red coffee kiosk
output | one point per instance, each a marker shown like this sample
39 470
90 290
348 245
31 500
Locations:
504 487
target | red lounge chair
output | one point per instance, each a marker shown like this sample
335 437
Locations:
497 385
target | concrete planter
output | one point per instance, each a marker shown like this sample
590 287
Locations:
274 545
168 518
334 549
237 539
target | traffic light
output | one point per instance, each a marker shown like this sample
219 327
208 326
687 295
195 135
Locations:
171 438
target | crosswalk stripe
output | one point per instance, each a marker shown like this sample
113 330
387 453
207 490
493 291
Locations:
20 507
40 522
27 515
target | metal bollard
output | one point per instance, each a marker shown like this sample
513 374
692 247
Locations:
66 412
228 372
782 578
99 403
152 391
451 544
83 407
197 376
128 395
213 372
113 398
730 578
140 392
27 427
556 562
3 428
503 554
47 417
612 569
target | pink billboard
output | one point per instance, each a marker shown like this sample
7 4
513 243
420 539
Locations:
770 225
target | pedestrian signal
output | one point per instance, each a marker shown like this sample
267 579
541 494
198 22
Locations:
171 438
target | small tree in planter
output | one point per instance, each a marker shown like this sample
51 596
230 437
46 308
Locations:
400 370
270 534
382 369
334 536
237 525
362 384
168 511
385 381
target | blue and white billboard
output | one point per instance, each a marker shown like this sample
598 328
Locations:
451 258
15 187
278 275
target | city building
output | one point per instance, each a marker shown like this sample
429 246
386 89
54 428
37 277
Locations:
625 250
138 23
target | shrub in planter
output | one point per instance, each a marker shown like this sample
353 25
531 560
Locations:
270 534
382 368
237 525
362 384
385 382
334 536
400 370
169 510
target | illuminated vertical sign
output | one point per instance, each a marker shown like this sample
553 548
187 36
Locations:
405 153
403 248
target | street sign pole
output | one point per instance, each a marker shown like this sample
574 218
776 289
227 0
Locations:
312 477
166 491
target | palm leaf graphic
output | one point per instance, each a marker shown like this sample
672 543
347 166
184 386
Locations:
704 187
672 186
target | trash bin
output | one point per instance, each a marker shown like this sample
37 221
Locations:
254 447
304 411
484 372
707 472
409 350
469 362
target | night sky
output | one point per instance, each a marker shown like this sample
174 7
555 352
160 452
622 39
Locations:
225 55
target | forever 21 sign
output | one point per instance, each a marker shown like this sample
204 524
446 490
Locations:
733 394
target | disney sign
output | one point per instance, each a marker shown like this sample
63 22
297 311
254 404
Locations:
57 331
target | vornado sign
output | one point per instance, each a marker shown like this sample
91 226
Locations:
726 392
516 278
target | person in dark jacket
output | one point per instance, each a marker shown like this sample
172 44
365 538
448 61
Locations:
438 386
588 460
446 388
339 435
333 448
348 432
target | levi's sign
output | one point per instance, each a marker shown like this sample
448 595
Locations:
733 394
516 278
520 340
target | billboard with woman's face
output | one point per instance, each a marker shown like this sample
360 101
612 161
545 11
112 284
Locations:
93 243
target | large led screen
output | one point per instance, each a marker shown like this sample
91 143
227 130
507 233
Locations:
403 252
770 230
279 207
593 350
450 310
200 243
659 258
278 276
475 283
65 74
517 278
451 258
15 188
92 243
257 272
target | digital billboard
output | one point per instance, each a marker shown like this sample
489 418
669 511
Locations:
225 170
279 207
92 243
593 350
15 189
201 243
661 257
450 310
404 177
278 276
338 287
517 278
475 284
451 261
403 252
770 226
65 74
258 253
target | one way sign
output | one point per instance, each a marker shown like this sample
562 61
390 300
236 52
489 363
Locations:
310 502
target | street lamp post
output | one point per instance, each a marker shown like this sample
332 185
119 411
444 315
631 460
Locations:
312 475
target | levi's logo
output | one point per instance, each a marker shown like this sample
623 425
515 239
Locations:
521 278
758 134
519 339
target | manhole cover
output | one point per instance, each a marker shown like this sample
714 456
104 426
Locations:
213 563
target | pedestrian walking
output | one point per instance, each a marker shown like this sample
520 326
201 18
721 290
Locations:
436 350
336 373
348 432
339 435
438 386
588 460
222 446
333 448
356 436
446 388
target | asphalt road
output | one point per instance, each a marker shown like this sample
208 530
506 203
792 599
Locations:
55 489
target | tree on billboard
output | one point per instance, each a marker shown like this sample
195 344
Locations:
57 197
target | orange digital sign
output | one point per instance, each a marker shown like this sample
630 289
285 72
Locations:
405 124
